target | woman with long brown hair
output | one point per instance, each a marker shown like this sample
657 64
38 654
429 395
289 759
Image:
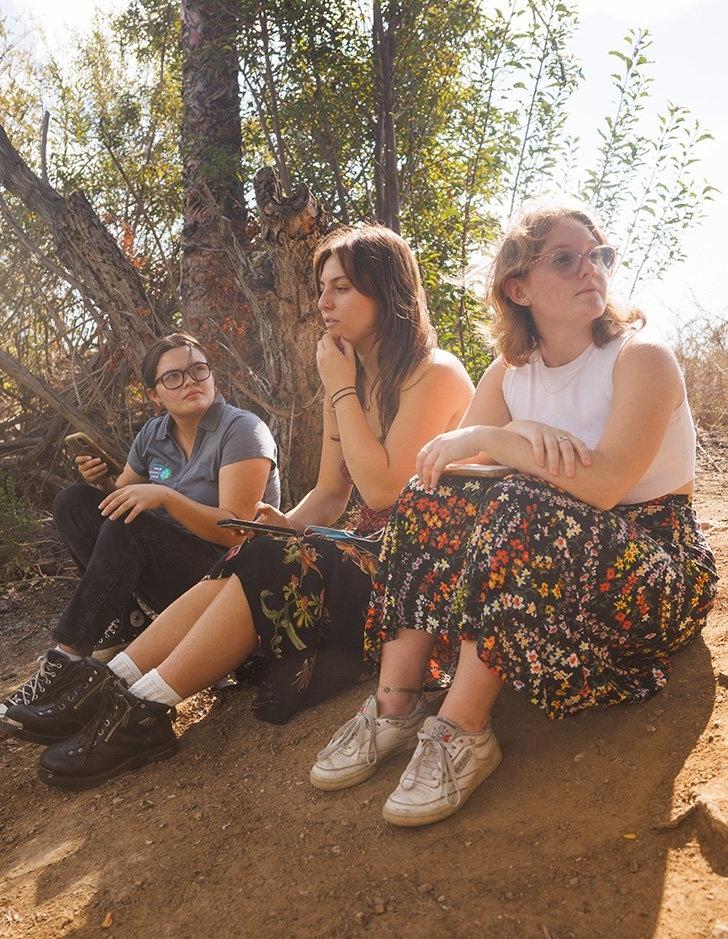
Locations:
295 602
574 579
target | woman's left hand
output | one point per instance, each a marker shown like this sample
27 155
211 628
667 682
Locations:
336 361
447 448
134 499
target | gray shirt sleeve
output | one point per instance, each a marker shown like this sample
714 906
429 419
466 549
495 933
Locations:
247 438
137 457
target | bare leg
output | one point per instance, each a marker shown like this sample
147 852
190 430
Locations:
222 637
472 694
403 665
171 626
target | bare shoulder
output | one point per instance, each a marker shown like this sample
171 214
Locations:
647 351
650 364
442 370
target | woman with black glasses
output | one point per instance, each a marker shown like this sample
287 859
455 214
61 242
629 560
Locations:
574 579
151 533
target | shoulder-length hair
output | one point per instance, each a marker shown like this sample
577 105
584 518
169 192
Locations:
512 327
155 352
381 265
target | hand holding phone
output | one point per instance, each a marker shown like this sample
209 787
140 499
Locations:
93 469
83 446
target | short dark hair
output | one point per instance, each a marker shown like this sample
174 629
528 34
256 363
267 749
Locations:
166 344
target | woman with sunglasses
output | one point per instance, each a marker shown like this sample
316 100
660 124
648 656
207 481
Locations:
573 580
151 533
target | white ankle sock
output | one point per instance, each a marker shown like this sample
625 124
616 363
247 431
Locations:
69 655
125 668
152 687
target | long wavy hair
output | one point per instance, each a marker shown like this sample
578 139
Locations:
512 327
381 265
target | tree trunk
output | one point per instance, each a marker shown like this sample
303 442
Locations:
211 154
97 268
386 180
276 279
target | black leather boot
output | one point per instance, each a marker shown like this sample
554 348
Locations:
126 733
58 701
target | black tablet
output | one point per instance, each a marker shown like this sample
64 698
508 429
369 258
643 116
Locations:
239 525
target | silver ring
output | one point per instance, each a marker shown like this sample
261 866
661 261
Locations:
562 437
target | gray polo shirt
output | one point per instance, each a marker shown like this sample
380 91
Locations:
225 434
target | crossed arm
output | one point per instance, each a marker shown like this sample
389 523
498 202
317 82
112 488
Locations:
638 419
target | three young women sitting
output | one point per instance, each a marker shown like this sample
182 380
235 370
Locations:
573 580
298 602
152 532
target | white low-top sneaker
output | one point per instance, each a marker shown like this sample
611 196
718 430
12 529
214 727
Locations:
358 749
445 770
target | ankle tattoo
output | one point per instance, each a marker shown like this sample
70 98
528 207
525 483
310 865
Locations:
390 689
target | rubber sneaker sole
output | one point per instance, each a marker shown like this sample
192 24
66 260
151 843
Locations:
413 819
16 729
331 783
89 782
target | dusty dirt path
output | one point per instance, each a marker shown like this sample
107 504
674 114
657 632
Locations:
229 839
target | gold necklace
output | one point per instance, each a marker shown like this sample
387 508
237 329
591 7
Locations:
540 366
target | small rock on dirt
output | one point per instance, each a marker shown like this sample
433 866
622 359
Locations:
633 867
361 918
720 930
379 906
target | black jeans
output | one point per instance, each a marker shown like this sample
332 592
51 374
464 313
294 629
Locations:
151 557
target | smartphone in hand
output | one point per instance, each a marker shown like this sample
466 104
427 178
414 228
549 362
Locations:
81 444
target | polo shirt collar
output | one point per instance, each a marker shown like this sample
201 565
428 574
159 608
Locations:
210 419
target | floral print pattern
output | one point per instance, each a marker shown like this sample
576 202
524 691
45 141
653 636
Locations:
572 605
308 597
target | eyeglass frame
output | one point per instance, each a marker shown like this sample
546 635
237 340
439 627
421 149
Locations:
184 372
581 254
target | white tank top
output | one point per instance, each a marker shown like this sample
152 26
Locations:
577 397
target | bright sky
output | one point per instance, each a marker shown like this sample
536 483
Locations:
689 69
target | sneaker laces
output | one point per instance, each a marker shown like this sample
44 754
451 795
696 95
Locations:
433 758
355 730
111 628
43 677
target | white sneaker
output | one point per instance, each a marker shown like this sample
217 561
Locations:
358 749
445 770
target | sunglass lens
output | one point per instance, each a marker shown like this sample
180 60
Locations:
604 255
565 262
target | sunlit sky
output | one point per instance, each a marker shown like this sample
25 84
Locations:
689 69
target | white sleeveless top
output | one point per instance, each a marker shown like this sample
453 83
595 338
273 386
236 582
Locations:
577 397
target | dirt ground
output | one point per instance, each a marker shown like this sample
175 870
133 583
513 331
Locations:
229 839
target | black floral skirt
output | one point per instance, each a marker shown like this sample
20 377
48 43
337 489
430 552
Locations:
309 597
572 605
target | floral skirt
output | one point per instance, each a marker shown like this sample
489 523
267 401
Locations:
309 597
572 605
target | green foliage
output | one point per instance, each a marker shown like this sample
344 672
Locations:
481 95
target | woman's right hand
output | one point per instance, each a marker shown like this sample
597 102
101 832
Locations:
92 469
269 515
552 446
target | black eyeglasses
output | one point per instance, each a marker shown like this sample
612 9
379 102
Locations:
198 371
566 262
